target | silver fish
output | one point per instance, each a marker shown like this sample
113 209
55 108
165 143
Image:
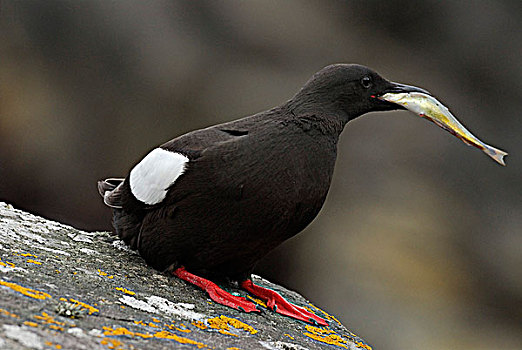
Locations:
430 108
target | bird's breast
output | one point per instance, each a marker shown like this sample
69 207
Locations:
288 184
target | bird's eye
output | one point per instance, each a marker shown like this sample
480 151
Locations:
366 82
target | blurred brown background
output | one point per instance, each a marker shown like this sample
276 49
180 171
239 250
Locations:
419 243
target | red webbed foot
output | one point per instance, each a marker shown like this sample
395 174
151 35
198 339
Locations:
216 293
276 302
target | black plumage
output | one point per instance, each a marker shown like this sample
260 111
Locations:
251 183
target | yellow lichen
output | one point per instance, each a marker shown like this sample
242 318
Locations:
29 254
7 313
103 273
125 331
181 328
150 324
46 318
6 264
362 345
326 336
223 323
125 290
328 316
351 336
90 308
112 343
36 294
184 330
182 340
55 327
318 330
257 301
57 346
289 336
199 324
169 326
161 335
31 261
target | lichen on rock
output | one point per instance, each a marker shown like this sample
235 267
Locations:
62 288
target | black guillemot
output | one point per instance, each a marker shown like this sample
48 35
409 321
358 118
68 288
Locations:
207 205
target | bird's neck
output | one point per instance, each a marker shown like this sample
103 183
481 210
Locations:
326 118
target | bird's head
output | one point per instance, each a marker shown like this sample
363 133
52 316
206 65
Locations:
349 90
346 91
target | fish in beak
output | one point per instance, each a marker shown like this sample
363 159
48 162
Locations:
425 105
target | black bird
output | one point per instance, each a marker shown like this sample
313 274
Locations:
209 204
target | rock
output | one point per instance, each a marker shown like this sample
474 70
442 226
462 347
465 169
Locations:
62 288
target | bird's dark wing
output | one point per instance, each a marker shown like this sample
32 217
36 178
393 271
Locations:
194 143
120 194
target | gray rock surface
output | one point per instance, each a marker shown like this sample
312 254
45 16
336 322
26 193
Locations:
61 288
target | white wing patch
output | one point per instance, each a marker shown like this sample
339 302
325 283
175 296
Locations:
150 178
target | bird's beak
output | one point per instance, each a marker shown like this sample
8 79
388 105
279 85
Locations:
421 102
397 88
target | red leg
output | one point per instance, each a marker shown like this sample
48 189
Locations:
215 292
277 303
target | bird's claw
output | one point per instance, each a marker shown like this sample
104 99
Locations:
216 293
278 304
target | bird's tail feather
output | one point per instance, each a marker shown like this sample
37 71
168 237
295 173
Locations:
127 225
109 190
108 185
